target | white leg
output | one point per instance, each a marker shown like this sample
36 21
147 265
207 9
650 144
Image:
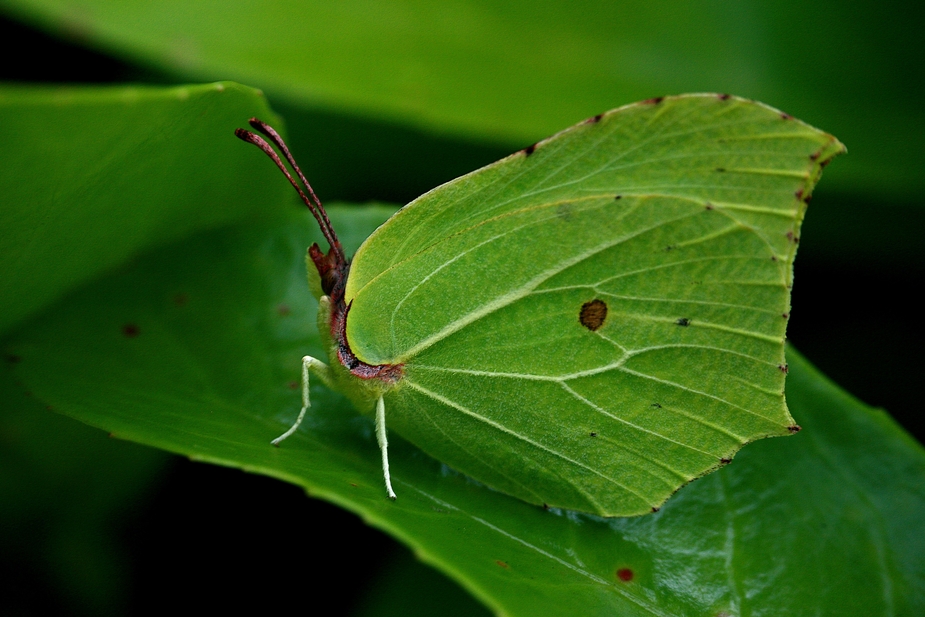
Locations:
322 371
383 445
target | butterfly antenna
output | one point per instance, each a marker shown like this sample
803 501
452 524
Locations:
313 203
320 214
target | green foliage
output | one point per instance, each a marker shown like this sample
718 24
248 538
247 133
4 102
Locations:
515 71
75 486
822 521
124 166
153 285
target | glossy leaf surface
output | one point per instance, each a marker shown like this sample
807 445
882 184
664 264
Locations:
93 176
515 71
677 221
825 523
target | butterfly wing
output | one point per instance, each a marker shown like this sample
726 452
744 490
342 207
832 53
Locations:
595 321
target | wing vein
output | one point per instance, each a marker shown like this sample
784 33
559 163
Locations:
454 405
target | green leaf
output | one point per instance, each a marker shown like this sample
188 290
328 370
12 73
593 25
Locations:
823 523
65 488
597 320
93 176
516 71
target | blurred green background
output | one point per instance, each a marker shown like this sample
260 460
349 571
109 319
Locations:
383 101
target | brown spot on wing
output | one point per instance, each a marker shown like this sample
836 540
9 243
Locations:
593 314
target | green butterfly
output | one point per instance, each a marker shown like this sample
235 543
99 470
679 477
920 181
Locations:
591 322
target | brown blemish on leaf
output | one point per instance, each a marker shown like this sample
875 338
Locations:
618 197
725 461
529 149
785 315
654 101
130 330
593 314
724 97
283 309
786 116
708 206
625 574
593 434
684 321
795 428
293 385
594 119
502 564
773 257
656 508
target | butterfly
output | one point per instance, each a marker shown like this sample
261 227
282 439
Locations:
589 323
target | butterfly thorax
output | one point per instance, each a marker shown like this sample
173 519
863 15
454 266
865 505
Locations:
363 383
332 270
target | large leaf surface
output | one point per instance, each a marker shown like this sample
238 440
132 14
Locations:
196 347
517 71
93 176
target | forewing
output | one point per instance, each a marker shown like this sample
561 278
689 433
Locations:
604 318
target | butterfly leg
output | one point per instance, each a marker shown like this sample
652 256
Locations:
321 370
383 445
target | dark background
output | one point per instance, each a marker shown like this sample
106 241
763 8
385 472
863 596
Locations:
227 540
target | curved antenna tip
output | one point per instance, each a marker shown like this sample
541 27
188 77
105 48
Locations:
314 204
